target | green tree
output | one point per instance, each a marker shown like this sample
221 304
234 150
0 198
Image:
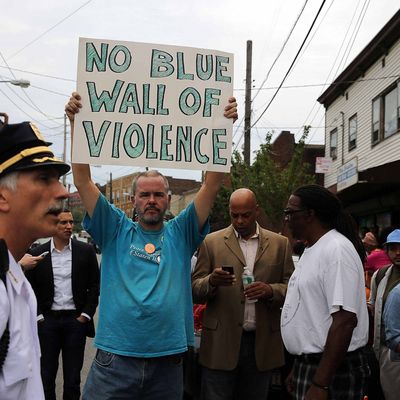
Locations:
271 182
78 218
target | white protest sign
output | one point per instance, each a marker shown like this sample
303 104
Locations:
153 106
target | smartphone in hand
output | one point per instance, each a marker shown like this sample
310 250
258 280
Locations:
227 268
44 254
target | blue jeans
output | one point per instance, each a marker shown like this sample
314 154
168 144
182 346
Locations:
115 377
245 382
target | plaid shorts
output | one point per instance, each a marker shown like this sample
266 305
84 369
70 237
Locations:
349 382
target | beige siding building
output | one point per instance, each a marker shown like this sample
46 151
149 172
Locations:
362 134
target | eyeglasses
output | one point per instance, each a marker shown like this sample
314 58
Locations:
287 212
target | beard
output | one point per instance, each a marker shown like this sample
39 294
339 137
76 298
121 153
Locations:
152 219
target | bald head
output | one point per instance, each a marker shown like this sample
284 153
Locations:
243 196
243 210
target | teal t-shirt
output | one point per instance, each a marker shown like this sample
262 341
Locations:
145 307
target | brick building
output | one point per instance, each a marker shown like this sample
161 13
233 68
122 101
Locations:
182 191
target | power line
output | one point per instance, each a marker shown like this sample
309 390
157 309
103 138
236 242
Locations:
330 72
291 66
323 84
237 127
48 30
36 108
336 59
356 30
32 106
51 91
242 135
281 50
320 122
39 74
315 32
290 127
235 89
30 117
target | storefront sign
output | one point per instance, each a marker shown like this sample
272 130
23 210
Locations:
323 165
347 174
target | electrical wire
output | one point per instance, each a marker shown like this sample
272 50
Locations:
23 111
35 107
38 74
355 32
49 29
291 66
364 7
315 32
319 106
51 91
281 50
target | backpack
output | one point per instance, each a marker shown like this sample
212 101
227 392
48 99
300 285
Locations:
4 265
380 274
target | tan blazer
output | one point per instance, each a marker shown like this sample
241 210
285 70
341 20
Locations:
223 317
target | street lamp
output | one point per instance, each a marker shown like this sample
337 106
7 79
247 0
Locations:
18 82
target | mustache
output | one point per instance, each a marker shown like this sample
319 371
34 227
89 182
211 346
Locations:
55 209
151 208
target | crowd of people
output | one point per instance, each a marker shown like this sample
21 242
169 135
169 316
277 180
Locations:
260 309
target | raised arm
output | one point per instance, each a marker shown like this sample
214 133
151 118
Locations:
88 191
205 198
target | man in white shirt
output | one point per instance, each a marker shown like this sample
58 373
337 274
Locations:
324 320
30 197
66 285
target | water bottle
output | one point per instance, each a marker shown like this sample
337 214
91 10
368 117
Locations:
247 279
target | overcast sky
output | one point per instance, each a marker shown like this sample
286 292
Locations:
41 38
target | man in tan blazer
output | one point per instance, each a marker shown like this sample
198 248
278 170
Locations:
241 341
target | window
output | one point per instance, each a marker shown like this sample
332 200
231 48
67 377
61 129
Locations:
386 114
333 141
375 120
390 113
353 132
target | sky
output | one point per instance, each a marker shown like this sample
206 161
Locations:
39 43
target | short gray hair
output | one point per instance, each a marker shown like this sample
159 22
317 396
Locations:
9 181
149 174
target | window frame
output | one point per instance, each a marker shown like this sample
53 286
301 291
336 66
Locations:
333 150
353 142
378 121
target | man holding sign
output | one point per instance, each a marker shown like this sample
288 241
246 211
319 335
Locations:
145 314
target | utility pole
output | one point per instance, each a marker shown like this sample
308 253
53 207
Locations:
247 110
111 194
64 179
69 191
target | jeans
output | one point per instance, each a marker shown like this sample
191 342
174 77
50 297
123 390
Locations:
62 332
245 382
115 377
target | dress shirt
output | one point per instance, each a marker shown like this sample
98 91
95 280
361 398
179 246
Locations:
61 261
249 249
20 378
